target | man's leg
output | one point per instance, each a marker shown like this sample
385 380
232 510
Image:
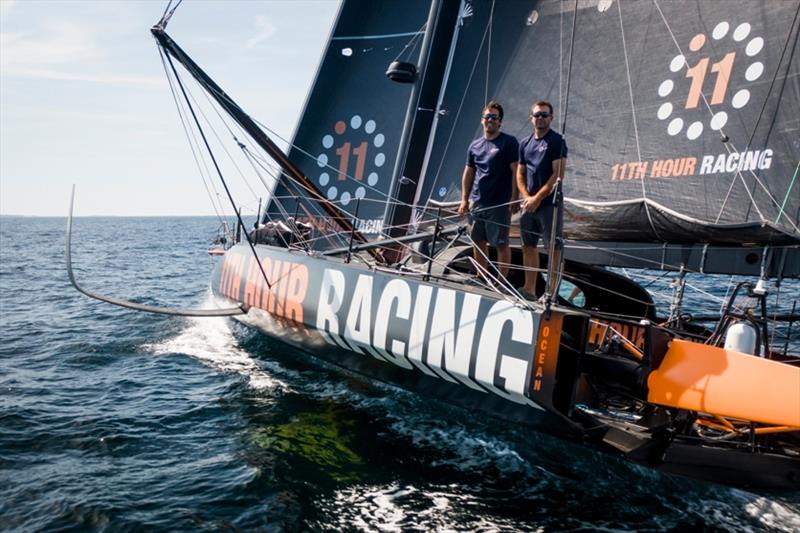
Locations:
555 263
530 258
530 232
503 259
480 251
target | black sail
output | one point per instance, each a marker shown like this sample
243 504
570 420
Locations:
682 117
347 140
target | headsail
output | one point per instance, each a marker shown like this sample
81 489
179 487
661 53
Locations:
347 140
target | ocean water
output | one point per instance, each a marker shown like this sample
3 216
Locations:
113 420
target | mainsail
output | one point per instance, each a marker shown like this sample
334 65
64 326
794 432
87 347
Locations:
681 117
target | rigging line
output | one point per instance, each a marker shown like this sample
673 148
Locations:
560 55
774 78
752 172
708 107
728 145
336 170
223 95
457 116
219 140
655 279
279 232
249 156
789 190
569 69
192 142
255 164
600 288
166 9
219 172
165 18
489 53
413 41
635 126
270 167
243 134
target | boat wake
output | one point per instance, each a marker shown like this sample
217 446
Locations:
211 341
771 513
397 508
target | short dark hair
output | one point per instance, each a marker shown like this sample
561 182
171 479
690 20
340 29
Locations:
495 105
543 103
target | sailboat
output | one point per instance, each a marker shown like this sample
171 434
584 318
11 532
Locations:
682 121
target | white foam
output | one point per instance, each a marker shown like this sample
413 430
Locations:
773 514
385 507
211 341
465 450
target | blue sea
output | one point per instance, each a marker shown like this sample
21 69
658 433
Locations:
114 420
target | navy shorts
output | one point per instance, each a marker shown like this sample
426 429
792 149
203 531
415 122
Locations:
539 224
490 224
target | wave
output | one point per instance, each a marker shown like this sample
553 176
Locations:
212 341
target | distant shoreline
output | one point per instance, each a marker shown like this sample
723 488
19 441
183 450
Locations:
118 216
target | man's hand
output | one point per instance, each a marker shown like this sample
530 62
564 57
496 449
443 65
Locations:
463 207
531 204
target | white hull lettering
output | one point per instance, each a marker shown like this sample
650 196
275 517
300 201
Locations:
429 331
513 371
331 295
359 318
449 351
398 291
419 324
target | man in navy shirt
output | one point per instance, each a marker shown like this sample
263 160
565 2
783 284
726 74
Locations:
488 182
542 159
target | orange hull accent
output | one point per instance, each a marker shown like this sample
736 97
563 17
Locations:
698 377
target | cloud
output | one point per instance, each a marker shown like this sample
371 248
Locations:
60 50
60 43
60 75
6 6
265 30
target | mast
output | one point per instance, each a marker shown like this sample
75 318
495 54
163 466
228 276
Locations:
420 114
256 133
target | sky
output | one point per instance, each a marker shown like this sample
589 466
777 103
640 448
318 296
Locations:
84 98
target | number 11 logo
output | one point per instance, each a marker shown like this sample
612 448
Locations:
709 73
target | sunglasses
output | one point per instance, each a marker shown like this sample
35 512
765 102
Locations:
490 116
540 114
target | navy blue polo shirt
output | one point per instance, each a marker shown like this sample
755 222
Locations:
492 159
538 155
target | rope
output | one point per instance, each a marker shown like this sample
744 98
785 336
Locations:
489 53
729 146
560 55
772 82
192 142
786 198
635 126
168 13
457 116
569 71
219 172
413 41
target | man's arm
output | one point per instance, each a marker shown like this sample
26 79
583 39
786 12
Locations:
522 186
532 204
514 188
467 179
558 172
